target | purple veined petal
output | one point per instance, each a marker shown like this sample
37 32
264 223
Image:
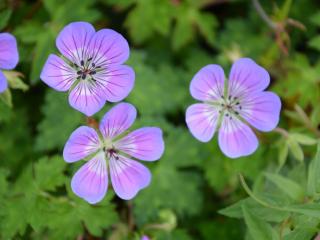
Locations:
128 176
144 144
90 182
202 121
82 142
117 120
3 82
246 77
87 97
9 56
262 110
208 83
73 41
116 81
57 74
108 47
236 139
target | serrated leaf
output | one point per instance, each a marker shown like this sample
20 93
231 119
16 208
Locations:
49 173
287 186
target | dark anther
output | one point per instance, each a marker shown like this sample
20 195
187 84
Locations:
116 157
92 72
219 111
76 65
240 107
222 96
230 97
222 104
82 63
89 59
78 77
83 76
98 67
237 103
93 79
237 113
79 72
227 114
93 64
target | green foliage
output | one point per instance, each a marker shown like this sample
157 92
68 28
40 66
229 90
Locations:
195 192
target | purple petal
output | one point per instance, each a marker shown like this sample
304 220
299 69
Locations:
3 82
57 74
82 142
144 143
9 55
208 83
117 120
91 181
262 110
246 77
108 47
128 177
236 139
74 40
116 81
202 121
87 97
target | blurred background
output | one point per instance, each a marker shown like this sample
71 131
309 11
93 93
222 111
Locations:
170 41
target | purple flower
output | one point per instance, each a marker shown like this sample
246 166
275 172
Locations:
9 57
230 106
90 67
112 149
145 237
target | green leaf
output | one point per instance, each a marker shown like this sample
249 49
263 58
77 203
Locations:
309 209
44 47
258 229
283 154
207 24
313 174
286 185
49 173
6 97
295 149
5 17
300 234
303 139
57 114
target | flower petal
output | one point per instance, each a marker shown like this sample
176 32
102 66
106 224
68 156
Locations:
144 143
116 81
208 83
87 97
262 110
9 55
73 41
108 47
117 120
202 121
91 181
246 77
3 82
236 139
82 142
57 74
128 177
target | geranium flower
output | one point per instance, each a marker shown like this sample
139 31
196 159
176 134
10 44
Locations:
113 150
90 67
230 106
9 57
